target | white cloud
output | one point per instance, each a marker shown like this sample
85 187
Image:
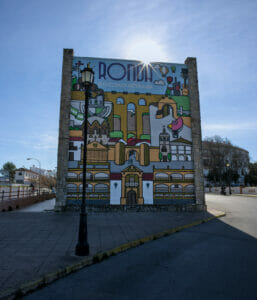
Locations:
220 127
47 140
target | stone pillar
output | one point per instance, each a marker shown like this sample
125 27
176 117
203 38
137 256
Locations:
63 144
196 132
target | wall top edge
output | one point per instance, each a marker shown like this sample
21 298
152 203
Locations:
128 60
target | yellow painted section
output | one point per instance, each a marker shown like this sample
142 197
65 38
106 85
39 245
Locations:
76 133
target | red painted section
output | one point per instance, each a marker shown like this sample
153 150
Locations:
147 176
115 176
76 138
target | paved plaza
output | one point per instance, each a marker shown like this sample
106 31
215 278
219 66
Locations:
33 244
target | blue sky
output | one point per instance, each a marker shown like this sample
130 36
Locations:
221 34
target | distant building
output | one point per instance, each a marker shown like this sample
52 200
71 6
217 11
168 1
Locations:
4 179
25 176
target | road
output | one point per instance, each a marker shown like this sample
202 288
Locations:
216 260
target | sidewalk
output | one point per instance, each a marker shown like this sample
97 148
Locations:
33 244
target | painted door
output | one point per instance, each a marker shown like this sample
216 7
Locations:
131 198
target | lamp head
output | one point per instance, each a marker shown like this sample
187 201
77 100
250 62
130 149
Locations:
87 75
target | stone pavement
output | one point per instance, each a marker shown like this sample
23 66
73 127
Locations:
33 244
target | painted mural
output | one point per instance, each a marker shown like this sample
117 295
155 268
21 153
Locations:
139 133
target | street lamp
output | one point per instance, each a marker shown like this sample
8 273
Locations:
82 248
228 177
30 158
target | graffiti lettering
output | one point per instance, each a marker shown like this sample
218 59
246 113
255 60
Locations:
102 68
118 71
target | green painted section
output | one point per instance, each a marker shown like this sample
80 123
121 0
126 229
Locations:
116 134
131 135
182 101
98 110
145 137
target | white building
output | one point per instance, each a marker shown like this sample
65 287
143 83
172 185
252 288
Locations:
26 176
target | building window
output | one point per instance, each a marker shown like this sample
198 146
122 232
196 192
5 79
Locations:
181 157
181 149
119 100
164 149
131 117
174 157
71 156
141 101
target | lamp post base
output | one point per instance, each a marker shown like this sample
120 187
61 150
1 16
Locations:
82 248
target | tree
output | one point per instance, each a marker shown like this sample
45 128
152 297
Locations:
251 177
223 161
9 170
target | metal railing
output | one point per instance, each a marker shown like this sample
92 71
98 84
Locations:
20 194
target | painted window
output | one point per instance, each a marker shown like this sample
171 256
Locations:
119 100
89 188
88 175
131 117
190 188
189 176
101 176
174 149
176 176
176 188
141 101
72 175
71 188
101 188
161 188
181 149
188 149
161 176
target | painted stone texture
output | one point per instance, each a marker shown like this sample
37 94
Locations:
139 134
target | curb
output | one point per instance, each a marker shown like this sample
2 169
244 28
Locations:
22 290
245 195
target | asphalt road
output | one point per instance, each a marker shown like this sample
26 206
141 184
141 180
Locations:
216 260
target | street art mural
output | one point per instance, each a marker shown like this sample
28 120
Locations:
139 133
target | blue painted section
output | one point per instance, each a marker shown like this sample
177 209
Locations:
130 75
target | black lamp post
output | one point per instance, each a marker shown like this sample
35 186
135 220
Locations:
82 248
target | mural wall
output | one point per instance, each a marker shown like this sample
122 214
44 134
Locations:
139 133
